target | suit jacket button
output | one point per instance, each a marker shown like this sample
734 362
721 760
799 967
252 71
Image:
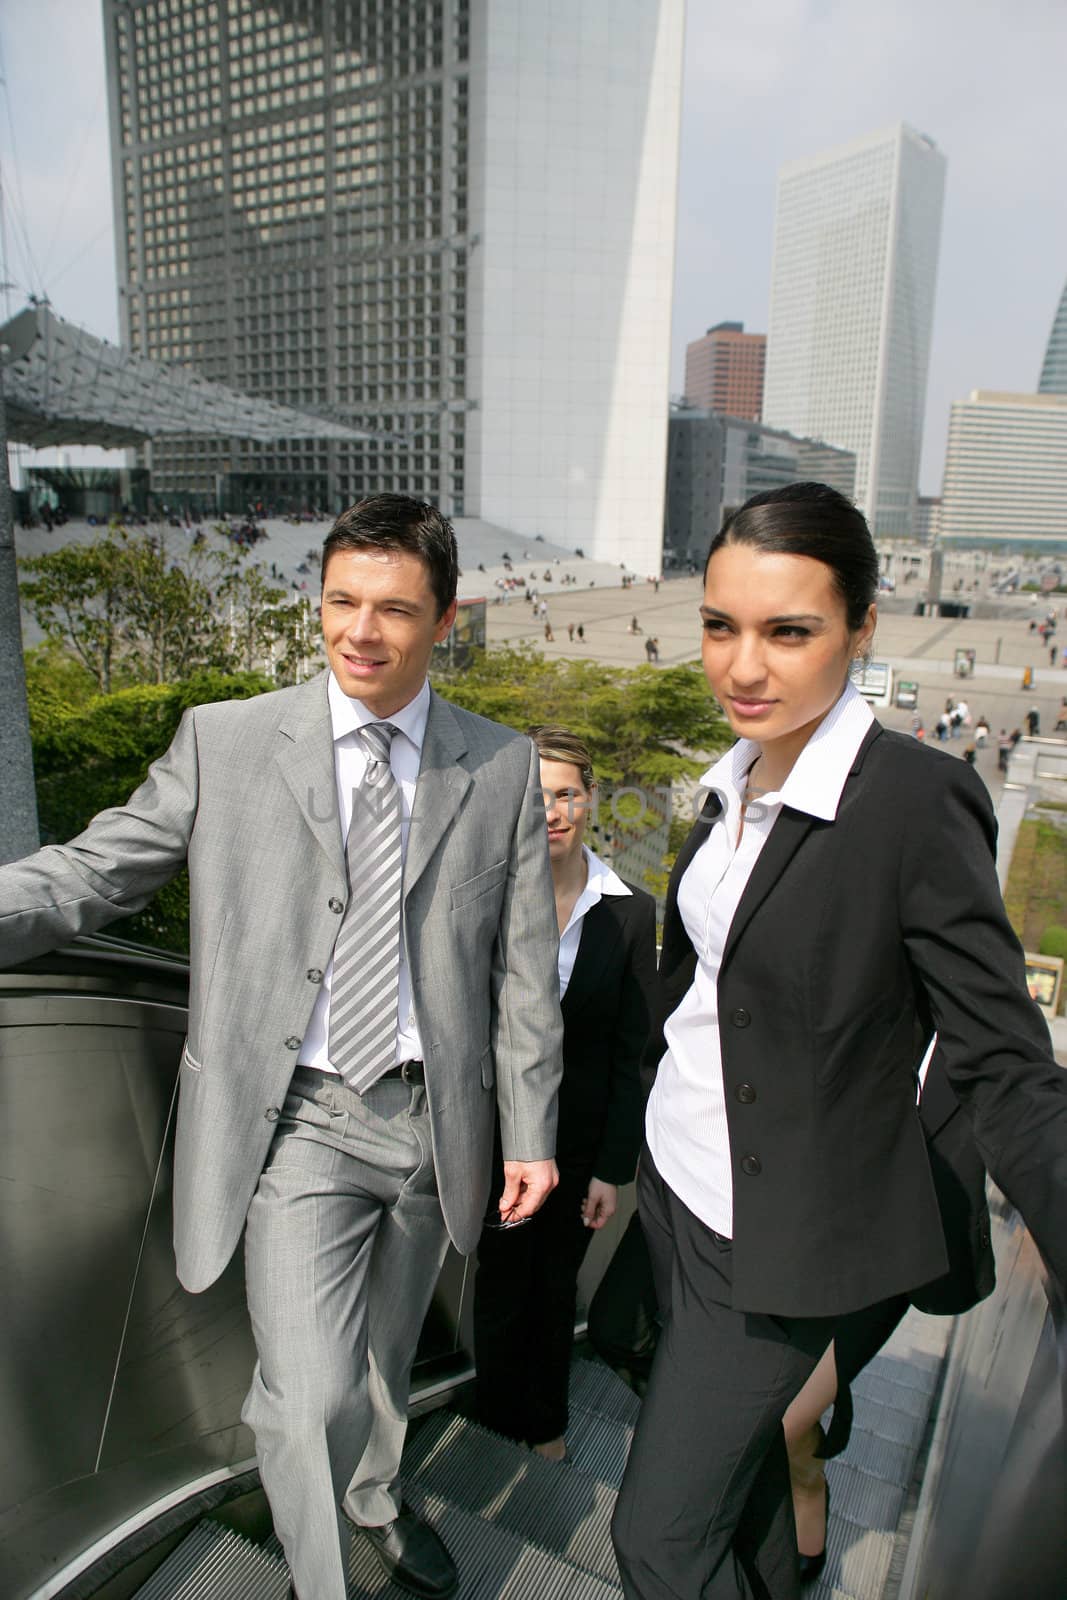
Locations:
751 1166
292 1043
335 905
740 1018
272 1113
314 974
745 1093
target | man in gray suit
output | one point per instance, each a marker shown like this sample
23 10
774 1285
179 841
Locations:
373 975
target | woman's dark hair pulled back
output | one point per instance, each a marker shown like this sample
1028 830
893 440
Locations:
810 519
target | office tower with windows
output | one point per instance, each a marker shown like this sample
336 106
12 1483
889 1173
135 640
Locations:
857 232
450 222
1006 471
715 462
724 371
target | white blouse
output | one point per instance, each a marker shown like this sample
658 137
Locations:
686 1125
602 880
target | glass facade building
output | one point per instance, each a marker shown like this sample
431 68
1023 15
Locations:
857 233
715 462
1054 368
448 222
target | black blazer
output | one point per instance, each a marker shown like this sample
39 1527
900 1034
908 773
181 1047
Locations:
853 940
607 1016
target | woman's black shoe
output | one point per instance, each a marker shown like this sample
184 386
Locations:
811 1566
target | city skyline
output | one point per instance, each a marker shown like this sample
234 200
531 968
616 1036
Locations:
762 87
857 235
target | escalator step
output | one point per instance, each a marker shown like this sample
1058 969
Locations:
214 1563
598 1445
857 1562
595 1387
494 1563
547 1502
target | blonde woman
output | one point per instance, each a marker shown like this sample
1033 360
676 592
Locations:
525 1291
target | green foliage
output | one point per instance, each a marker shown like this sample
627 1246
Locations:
641 723
52 670
1053 941
91 750
92 754
155 607
1036 891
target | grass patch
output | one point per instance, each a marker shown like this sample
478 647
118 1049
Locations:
1036 894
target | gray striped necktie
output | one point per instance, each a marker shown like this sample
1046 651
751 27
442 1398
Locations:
366 957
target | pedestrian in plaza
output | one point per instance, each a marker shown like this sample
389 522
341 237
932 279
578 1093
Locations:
549 635
1005 746
570 631
981 732
1033 722
785 1182
580 630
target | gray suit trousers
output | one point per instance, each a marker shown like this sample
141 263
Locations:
344 1243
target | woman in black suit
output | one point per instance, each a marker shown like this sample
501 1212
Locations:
526 1287
835 904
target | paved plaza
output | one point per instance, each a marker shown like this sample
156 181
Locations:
919 648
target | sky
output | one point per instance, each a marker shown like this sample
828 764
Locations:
766 81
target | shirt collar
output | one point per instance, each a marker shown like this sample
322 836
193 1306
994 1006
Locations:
819 772
601 880
347 714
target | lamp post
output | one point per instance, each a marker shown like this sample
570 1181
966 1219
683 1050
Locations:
19 834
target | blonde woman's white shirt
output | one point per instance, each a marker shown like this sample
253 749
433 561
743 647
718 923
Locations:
602 880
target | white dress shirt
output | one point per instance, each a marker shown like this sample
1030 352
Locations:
602 880
350 764
686 1123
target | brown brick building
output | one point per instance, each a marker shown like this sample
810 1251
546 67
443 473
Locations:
724 371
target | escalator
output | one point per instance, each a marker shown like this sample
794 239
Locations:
127 1471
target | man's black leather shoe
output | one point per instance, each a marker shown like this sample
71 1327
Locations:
414 1557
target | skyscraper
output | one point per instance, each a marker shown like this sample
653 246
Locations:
852 298
724 371
1054 368
452 220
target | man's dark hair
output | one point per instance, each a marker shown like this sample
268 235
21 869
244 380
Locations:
398 522
810 519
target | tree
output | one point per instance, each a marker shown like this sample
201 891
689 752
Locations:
75 596
260 628
643 726
170 621
151 607
641 723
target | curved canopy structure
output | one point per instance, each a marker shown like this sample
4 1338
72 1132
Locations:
63 385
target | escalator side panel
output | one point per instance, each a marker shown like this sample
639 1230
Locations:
83 1109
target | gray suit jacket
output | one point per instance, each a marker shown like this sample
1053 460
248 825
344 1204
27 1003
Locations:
247 795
